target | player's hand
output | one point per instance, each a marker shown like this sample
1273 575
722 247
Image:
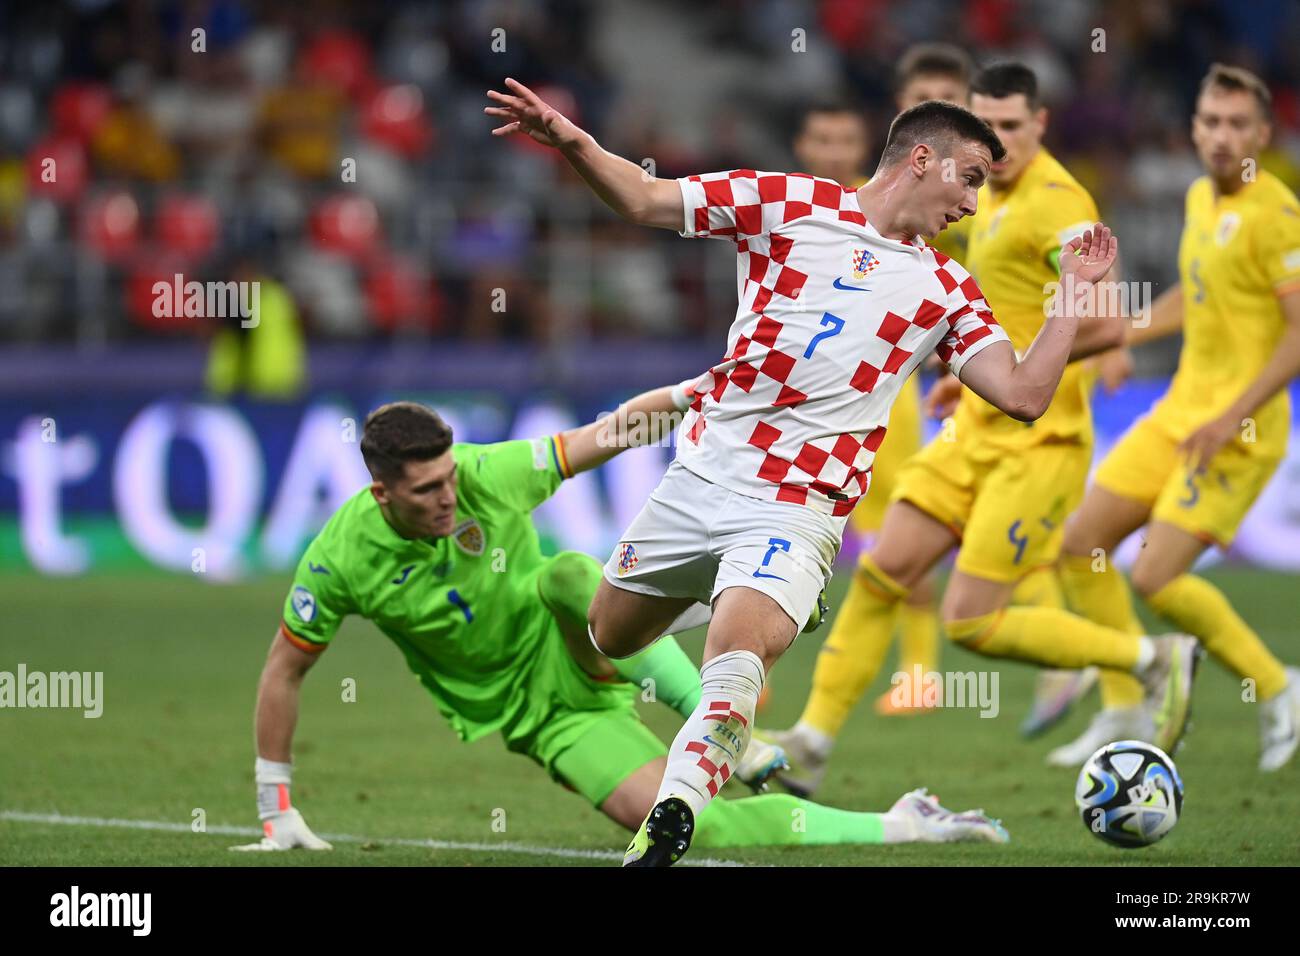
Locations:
286 831
941 400
526 112
1204 443
1089 257
1114 368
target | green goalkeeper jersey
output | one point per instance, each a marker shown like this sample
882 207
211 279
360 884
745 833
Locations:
464 609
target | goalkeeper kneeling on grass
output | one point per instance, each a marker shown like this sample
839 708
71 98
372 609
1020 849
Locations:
416 552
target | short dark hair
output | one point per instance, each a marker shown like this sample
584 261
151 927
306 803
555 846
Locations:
400 432
935 122
1238 79
1007 79
933 59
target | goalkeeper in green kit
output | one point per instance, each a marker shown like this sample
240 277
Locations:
440 552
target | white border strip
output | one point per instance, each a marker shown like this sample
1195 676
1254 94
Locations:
165 826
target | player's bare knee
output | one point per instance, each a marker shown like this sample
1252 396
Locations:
1147 579
609 629
569 573
901 567
1081 536
923 593
963 601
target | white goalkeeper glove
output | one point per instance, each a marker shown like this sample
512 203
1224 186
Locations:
283 825
683 394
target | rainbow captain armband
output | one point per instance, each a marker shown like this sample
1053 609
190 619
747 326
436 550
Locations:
561 459
302 643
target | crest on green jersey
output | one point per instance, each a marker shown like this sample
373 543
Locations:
304 604
469 537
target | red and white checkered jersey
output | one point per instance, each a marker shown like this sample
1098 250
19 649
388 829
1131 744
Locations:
832 319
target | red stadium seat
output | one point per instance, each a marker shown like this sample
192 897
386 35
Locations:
341 60
395 117
149 267
110 225
57 168
400 294
188 226
348 225
79 109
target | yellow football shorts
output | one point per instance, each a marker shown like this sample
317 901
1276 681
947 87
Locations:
1008 507
1146 466
902 441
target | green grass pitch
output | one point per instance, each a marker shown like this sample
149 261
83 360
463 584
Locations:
181 660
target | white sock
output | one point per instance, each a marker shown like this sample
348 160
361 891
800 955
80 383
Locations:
706 750
1146 654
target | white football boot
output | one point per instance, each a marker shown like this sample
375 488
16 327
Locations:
932 823
1106 726
1279 725
1055 692
805 756
1168 686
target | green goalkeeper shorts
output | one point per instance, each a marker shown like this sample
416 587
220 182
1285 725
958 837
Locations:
585 732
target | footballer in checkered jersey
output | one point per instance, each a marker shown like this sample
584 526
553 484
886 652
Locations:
840 300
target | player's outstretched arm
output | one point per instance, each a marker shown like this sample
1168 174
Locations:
644 420
621 185
1166 318
276 717
1282 366
1023 389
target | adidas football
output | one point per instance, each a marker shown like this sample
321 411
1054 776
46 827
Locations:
1129 793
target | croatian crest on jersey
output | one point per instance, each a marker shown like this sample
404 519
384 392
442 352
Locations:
864 263
627 558
469 537
304 604
1228 225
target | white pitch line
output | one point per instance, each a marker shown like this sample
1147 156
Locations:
17 816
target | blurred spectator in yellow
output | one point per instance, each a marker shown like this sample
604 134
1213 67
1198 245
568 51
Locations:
267 360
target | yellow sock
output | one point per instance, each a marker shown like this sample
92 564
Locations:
852 655
1047 636
918 637
1102 596
1199 608
1039 588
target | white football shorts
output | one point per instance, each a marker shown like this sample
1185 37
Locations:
695 539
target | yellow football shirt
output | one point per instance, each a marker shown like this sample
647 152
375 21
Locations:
1237 255
1014 239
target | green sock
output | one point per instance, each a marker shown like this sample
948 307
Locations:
566 586
676 678
778 819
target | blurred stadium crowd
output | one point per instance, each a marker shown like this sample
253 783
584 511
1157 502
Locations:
234 160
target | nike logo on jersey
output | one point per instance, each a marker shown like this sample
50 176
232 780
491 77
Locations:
406 571
318 568
848 288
